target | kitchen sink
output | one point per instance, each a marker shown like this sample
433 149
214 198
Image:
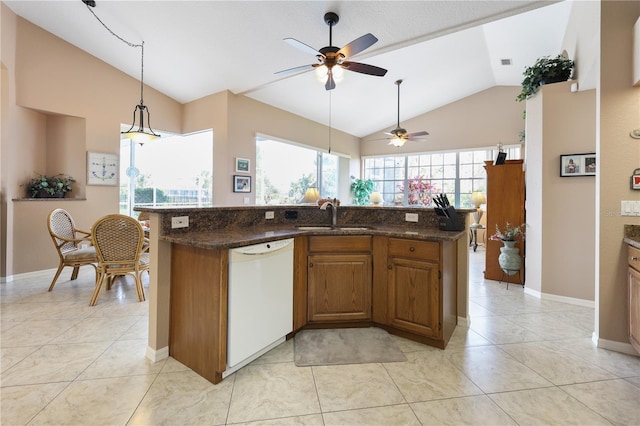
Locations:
331 228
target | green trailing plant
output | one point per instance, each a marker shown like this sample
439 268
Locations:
361 189
49 186
546 70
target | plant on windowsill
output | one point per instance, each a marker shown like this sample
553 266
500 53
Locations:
546 70
44 186
361 189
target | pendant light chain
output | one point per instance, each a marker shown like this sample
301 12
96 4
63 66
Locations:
128 43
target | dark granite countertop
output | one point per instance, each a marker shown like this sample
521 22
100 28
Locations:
230 238
632 235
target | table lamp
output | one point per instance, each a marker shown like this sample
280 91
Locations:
376 198
311 196
477 198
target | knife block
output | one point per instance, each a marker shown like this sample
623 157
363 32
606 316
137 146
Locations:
450 221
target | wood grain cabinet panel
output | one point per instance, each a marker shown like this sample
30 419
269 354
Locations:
414 296
339 287
634 297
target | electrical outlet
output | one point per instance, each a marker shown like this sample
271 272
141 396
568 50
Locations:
268 215
246 200
411 217
180 222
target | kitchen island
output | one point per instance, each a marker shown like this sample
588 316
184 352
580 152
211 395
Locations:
409 278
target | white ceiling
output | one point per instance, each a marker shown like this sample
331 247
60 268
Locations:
443 50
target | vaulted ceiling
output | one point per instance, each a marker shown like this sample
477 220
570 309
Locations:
443 50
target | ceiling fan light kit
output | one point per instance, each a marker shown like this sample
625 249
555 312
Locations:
400 135
332 60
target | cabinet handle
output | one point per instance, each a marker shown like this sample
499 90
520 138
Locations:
412 248
310 265
389 267
634 258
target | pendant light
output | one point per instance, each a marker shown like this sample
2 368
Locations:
141 135
138 134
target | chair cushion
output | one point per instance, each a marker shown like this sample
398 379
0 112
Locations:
85 253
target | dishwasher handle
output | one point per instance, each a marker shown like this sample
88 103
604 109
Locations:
263 248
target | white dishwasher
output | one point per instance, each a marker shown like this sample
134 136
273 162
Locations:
260 300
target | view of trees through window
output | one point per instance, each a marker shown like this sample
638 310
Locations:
284 171
170 171
413 179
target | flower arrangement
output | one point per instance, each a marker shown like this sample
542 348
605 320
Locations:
420 191
511 233
44 186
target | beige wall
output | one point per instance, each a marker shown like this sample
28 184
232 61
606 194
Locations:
619 155
58 103
560 211
480 120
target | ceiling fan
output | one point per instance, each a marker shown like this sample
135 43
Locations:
400 135
330 56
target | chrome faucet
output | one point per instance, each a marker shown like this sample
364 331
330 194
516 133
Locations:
334 211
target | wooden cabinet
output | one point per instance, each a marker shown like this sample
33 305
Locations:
339 270
505 203
421 293
634 297
198 309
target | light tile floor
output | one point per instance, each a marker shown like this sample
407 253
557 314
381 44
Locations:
523 361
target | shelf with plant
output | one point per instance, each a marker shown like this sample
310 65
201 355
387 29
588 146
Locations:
45 186
546 70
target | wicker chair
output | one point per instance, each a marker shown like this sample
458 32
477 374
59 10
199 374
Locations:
119 242
67 238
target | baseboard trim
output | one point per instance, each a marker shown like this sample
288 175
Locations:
622 347
10 278
564 299
464 322
157 355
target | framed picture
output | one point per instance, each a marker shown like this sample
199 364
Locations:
241 183
242 165
578 165
102 168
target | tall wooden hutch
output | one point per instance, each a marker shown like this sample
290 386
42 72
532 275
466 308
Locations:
505 203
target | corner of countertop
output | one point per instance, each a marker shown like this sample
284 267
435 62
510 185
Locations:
632 235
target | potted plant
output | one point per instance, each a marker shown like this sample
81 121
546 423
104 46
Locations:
546 70
362 190
44 186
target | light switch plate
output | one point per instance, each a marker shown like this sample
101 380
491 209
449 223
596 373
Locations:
411 217
179 222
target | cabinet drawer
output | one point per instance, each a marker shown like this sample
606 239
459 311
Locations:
634 258
412 249
333 244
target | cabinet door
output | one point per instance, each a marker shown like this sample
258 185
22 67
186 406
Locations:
634 308
339 287
414 296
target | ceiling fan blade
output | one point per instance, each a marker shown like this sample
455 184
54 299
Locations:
295 69
364 68
422 133
300 45
330 84
358 45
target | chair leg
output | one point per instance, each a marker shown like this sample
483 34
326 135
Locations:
55 278
74 274
96 292
139 288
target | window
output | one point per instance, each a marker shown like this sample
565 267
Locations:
284 171
170 171
413 179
